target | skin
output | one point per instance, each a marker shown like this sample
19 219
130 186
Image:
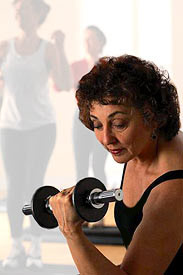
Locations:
27 42
123 132
122 120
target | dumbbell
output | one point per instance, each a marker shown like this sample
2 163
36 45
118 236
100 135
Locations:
90 199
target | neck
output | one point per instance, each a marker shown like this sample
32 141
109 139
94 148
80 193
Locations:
149 155
27 44
27 37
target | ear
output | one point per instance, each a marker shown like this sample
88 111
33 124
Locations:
148 115
151 119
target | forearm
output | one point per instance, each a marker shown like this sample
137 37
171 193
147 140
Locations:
88 259
86 256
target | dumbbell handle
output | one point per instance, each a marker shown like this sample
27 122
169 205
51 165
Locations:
27 209
99 197
95 198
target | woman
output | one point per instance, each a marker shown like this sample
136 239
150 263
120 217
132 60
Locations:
85 144
27 121
133 109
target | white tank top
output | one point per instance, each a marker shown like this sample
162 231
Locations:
26 101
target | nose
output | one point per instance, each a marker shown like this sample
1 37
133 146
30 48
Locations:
108 137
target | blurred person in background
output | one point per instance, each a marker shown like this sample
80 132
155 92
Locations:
27 119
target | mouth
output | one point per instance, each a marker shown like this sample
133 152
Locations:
116 152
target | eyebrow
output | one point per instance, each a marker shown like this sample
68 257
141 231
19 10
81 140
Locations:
111 115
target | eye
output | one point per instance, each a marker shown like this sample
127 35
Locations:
97 126
118 124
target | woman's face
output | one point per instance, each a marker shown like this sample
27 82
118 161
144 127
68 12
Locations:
122 131
92 43
25 14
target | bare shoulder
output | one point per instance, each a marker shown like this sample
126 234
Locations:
168 193
165 206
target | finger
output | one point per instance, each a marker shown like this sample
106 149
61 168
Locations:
67 191
64 192
56 203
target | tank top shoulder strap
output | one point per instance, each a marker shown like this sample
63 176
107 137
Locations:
123 175
170 175
41 49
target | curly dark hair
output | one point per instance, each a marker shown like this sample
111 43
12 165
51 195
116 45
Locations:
134 82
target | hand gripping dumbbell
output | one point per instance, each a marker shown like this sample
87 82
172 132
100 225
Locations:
90 199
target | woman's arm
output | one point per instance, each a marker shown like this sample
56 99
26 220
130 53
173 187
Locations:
88 259
57 61
160 234
154 244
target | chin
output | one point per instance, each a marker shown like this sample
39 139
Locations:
119 159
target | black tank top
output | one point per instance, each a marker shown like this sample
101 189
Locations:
128 218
